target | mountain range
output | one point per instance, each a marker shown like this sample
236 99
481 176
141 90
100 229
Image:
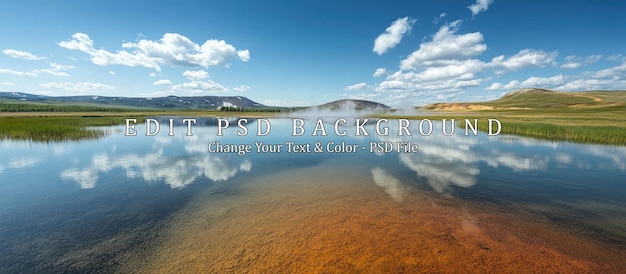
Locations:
530 98
168 102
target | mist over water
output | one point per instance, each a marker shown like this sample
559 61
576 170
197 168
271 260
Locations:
348 109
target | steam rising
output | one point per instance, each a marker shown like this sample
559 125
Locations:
345 109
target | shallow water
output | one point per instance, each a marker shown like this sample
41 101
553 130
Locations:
164 203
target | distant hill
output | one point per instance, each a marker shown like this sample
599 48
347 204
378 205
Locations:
354 103
169 102
537 98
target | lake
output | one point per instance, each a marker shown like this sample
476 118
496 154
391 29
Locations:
442 204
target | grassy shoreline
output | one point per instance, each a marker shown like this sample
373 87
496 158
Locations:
580 126
73 126
591 131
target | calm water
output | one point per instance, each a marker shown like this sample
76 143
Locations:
164 203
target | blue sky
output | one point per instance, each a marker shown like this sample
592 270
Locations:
311 52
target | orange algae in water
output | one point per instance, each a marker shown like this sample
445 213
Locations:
336 219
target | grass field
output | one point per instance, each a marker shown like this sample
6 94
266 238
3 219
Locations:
585 117
53 129
72 126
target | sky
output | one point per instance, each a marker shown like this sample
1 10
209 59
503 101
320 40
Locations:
298 53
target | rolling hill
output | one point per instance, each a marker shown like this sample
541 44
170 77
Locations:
543 99
354 103
99 103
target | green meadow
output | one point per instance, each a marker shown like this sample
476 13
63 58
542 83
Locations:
58 126
54 129
583 117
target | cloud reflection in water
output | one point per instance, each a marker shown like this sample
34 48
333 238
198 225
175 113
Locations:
390 184
454 160
24 162
176 172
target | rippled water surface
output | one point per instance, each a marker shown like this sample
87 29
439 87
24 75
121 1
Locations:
165 203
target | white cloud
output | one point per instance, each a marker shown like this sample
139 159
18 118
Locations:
60 67
573 62
442 68
80 87
111 72
587 84
56 70
172 49
457 69
244 55
196 86
162 82
543 81
616 72
445 45
616 58
449 65
196 75
241 88
392 35
498 86
197 83
18 73
592 59
511 85
456 75
524 58
480 6
612 78
438 18
22 54
53 72
571 65
494 86
379 72
152 74
358 86
8 84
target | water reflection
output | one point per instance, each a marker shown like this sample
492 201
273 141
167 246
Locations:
441 173
20 163
23 162
581 186
617 155
389 183
165 164
454 160
156 167
516 163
